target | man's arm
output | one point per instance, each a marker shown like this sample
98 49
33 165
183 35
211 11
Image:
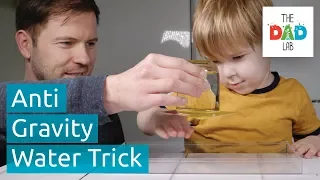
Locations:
142 87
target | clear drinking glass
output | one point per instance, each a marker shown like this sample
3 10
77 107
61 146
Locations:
208 105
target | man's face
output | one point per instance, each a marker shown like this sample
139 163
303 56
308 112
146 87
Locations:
65 49
245 72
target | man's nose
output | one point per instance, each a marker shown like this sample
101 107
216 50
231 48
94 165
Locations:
82 56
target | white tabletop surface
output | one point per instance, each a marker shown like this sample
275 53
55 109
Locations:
310 171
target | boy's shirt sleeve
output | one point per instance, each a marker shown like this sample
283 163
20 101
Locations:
307 122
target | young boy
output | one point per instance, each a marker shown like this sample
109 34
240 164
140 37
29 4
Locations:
269 108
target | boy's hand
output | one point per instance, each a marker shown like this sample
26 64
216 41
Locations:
308 147
173 125
164 124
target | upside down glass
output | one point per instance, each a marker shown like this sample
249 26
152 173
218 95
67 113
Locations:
208 104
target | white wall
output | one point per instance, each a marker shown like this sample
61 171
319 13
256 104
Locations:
11 67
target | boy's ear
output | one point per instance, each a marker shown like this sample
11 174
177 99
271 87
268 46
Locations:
24 42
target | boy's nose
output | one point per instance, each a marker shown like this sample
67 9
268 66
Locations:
227 70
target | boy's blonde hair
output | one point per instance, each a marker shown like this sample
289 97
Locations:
223 27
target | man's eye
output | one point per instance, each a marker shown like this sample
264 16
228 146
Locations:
66 43
91 44
238 57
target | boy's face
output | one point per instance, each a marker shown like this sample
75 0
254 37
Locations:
245 72
64 49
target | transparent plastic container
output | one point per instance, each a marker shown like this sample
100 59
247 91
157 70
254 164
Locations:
165 158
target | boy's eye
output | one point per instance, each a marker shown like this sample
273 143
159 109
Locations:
238 57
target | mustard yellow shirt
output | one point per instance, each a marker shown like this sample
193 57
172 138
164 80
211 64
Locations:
264 121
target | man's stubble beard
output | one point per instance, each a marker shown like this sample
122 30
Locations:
38 69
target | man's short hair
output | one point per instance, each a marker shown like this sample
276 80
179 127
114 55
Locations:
32 15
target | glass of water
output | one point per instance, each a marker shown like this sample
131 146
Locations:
208 104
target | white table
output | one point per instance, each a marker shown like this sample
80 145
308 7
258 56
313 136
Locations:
310 171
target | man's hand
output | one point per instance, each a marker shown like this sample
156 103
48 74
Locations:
147 84
163 123
308 147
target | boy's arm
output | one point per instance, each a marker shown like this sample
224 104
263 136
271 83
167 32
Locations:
164 122
306 131
145 121
307 123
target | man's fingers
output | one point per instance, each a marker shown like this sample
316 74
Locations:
156 100
173 85
318 154
178 63
165 73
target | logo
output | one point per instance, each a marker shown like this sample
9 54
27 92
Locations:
288 32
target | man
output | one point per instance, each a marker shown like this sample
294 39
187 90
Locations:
57 39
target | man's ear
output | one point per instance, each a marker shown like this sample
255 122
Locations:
24 42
